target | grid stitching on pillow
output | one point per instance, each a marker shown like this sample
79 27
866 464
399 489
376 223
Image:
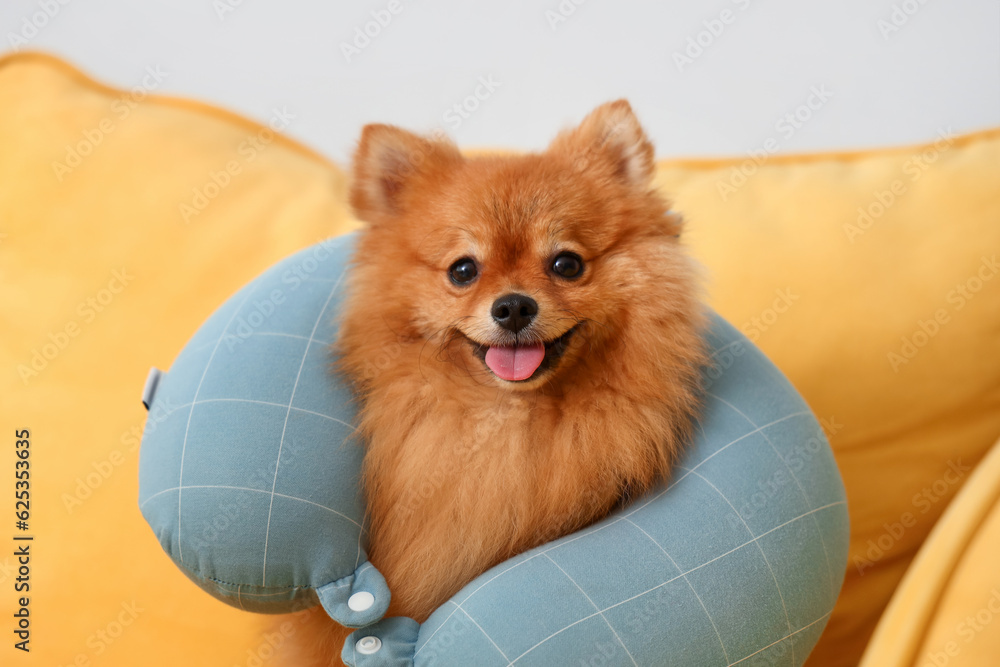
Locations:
334 271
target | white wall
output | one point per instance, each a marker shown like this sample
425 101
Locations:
940 68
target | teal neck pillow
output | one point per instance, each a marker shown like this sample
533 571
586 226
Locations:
248 477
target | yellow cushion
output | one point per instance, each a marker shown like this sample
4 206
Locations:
103 278
888 324
122 233
946 609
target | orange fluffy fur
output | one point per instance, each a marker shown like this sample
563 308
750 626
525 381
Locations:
464 470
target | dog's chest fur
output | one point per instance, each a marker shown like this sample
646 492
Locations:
473 479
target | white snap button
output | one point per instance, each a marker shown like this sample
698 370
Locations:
368 645
361 601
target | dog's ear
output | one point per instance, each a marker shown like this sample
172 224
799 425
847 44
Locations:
388 162
610 142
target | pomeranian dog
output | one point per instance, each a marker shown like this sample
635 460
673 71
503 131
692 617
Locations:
523 334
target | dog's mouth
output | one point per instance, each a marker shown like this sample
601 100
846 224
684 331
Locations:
525 361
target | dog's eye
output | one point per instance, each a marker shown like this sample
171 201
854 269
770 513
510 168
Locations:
567 265
463 271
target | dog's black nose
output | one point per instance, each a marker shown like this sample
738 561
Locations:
514 311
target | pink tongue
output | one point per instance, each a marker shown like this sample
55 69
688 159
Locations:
515 363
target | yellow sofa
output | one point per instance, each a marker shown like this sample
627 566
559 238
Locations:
125 219
946 611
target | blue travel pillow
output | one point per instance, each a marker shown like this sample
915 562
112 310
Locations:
249 479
